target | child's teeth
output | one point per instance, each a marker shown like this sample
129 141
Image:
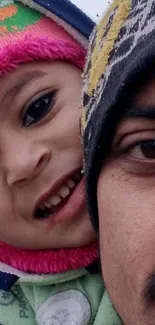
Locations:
48 203
71 183
55 200
64 191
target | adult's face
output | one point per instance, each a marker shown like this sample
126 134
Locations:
126 202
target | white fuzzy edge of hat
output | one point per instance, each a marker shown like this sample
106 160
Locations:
71 31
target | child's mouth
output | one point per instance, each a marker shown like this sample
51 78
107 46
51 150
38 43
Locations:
54 203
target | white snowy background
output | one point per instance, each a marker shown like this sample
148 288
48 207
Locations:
93 8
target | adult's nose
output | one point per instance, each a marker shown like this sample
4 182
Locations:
23 161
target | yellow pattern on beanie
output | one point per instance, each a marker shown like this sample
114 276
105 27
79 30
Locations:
108 33
104 37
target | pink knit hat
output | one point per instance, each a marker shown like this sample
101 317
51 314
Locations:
26 35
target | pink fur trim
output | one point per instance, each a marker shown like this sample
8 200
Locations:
48 261
29 49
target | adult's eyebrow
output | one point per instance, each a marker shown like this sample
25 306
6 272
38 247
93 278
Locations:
140 112
27 77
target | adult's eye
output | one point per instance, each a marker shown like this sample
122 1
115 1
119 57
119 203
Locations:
38 109
144 150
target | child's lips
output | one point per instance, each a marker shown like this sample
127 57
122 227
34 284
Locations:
72 209
57 197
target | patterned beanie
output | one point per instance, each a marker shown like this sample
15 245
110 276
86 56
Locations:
121 54
34 30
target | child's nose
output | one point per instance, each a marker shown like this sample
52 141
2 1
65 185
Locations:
24 164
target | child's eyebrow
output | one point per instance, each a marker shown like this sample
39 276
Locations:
27 77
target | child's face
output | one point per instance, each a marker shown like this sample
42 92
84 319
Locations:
42 200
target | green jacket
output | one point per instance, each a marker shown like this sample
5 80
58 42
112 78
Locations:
70 298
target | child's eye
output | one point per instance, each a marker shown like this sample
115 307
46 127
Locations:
38 109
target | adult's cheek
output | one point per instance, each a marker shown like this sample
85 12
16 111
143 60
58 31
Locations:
118 247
